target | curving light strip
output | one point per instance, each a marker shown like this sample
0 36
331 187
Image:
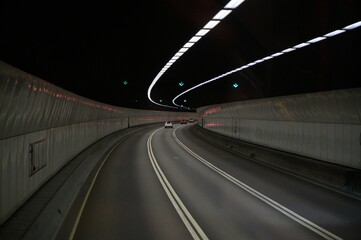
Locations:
296 47
228 8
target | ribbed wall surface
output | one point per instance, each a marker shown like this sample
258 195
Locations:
324 126
43 127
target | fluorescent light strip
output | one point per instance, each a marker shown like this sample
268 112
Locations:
267 58
194 39
277 54
188 45
202 32
288 50
211 24
353 26
334 33
318 39
183 50
234 4
222 14
241 68
259 61
299 46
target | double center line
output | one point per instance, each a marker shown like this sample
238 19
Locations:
192 226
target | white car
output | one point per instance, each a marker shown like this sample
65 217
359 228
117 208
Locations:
168 125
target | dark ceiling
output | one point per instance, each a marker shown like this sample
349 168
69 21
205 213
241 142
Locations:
92 48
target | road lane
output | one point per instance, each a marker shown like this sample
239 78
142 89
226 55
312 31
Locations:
335 212
127 201
222 210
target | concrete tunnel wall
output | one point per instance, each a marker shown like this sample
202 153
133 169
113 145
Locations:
324 126
43 127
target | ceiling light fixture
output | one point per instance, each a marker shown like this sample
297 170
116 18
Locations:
277 54
188 45
288 50
353 26
301 45
178 54
183 50
234 4
211 24
194 39
222 14
202 32
297 47
334 33
267 58
316 39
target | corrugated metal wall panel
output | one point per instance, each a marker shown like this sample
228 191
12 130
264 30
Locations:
324 126
56 125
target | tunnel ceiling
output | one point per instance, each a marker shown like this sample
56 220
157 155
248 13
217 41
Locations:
93 49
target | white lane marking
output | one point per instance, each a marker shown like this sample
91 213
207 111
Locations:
75 226
301 220
192 226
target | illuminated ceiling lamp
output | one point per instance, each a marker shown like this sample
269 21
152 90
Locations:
233 4
228 8
275 55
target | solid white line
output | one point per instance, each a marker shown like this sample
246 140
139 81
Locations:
301 220
75 226
192 226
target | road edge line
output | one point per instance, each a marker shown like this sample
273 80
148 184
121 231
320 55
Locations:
282 209
75 226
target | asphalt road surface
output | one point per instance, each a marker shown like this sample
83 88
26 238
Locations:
168 184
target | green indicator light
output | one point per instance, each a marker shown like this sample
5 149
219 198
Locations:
125 82
235 85
181 84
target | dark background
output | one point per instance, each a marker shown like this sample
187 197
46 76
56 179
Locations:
91 48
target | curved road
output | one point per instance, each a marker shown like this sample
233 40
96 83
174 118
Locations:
168 184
